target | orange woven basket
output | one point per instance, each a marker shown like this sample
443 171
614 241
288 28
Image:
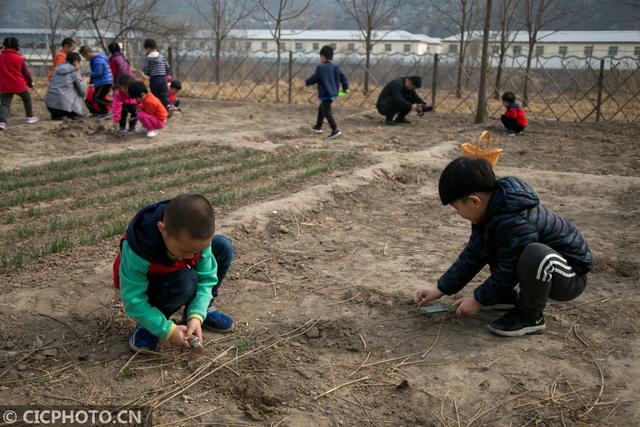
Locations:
485 152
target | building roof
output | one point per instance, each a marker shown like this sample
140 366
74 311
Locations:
315 35
561 36
62 32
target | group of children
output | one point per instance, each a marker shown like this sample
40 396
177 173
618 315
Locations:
170 259
112 86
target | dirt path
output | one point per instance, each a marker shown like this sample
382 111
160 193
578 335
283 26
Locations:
322 289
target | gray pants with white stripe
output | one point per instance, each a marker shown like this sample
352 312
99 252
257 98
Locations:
544 274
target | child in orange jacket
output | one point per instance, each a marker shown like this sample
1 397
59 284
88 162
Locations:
151 113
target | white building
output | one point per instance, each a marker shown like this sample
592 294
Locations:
306 41
590 44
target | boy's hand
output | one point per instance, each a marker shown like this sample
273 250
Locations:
194 327
426 295
467 306
179 337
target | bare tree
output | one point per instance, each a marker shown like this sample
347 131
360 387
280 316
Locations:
118 18
459 17
506 34
481 111
275 13
52 14
370 15
222 16
539 14
94 14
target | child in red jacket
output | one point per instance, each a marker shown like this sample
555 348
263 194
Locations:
514 118
15 79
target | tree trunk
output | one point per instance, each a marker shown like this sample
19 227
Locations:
217 69
367 63
459 78
525 88
278 72
481 111
496 93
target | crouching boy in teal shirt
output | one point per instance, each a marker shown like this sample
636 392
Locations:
170 258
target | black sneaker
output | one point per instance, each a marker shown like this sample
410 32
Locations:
402 120
516 323
390 122
317 129
335 133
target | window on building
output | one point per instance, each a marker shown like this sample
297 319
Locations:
247 45
201 45
495 49
299 46
333 46
407 48
588 51
539 50
517 50
232 44
387 47
264 45
316 46
453 48
562 51
351 47
636 51
613 51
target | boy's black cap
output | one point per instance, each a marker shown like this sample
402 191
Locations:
463 176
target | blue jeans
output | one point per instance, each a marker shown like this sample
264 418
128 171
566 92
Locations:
170 292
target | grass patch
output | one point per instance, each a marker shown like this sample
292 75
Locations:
228 179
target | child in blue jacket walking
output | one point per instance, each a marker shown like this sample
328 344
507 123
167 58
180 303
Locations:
101 78
329 77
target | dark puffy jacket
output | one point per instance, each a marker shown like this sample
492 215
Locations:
396 94
515 218
329 78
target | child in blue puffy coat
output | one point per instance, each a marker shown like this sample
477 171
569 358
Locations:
101 78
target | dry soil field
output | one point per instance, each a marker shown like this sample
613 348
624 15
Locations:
333 239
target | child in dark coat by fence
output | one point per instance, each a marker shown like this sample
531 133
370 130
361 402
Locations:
328 76
522 241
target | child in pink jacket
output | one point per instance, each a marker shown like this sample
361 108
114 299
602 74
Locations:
123 106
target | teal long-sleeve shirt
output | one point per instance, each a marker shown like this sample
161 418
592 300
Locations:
134 284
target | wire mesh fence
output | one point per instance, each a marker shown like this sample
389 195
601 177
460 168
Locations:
560 88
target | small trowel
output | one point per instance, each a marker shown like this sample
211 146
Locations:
436 308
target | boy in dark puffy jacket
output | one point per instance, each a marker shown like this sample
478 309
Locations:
523 242
514 118
329 78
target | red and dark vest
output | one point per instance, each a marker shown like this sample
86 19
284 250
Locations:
154 268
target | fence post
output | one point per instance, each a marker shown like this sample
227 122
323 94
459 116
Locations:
290 77
434 83
600 87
